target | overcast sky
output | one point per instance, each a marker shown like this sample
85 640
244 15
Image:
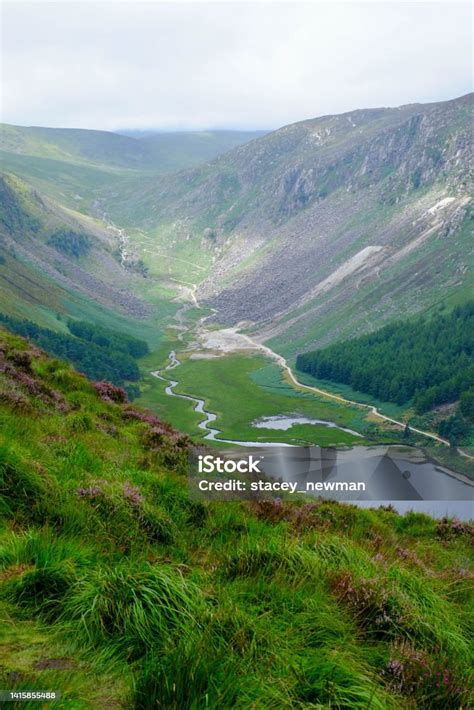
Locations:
194 65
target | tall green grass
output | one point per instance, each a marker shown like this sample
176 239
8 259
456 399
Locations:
132 610
153 600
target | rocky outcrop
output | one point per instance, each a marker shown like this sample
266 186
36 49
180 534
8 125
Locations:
290 209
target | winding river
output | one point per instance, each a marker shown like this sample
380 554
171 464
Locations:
211 434
457 492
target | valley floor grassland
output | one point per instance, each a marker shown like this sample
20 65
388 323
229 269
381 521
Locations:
241 388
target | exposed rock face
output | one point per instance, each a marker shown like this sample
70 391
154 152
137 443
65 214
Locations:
380 196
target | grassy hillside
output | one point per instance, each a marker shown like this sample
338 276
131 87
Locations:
159 152
57 263
120 591
98 353
74 185
72 145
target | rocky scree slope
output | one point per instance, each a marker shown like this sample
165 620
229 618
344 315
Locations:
361 217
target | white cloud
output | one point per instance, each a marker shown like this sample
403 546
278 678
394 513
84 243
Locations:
195 65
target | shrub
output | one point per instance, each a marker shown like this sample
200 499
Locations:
429 680
16 401
70 243
42 590
132 610
110 393
448 528
20 358
370 603
23 488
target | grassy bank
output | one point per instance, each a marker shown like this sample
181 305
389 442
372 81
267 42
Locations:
120 591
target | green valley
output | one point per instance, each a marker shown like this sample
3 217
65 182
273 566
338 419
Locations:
241 389
99 227
236 355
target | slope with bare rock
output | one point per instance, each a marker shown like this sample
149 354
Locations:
325 227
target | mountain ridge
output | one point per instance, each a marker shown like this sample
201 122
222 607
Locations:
316 231
155 152
278 216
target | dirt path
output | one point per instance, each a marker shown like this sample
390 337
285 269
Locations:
281 361
232 340
371 407
466 456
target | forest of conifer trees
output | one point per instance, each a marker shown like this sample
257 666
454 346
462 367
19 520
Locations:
426 361
97 352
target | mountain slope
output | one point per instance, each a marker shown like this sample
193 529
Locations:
327 227
73 145
425 365
54 261
119 590
159 152
315 232
178 150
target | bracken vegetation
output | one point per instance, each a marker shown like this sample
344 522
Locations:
120 591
